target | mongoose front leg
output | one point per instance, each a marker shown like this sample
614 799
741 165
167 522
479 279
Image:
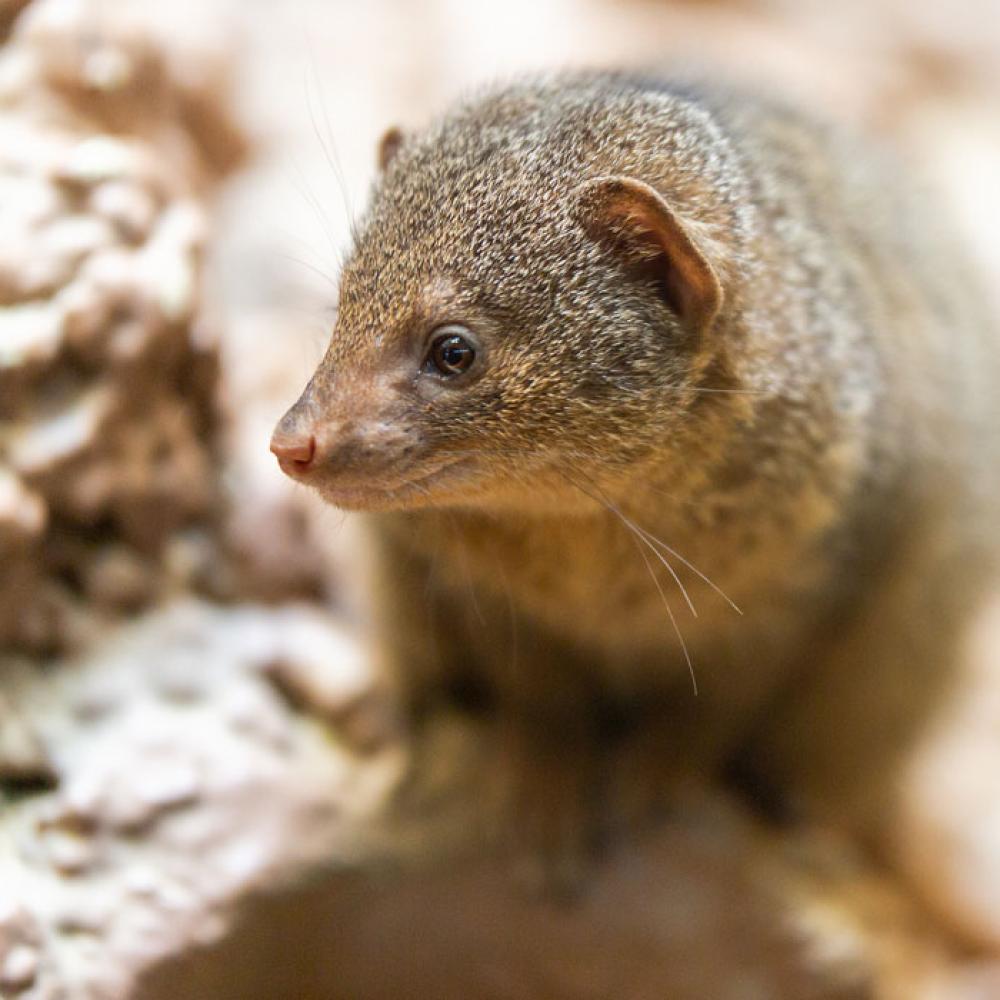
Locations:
421 643
551 783
552 761
443 645
672 742
665 754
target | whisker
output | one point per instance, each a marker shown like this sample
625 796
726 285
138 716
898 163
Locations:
319 272
306 193
697 389
673 620
466 571
570 455
636 538
659 555
639 533
651 539
694 569
329 149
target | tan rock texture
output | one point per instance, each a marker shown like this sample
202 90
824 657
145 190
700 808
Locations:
108 424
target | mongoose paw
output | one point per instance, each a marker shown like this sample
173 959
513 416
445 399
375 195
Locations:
650 776
570 798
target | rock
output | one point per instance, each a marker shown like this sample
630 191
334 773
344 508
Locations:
118 579
127 206
23 514
324 671
107 420
30 334
20 938
24 761
70 853
19 968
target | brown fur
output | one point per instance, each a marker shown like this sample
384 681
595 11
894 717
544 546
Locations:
816 434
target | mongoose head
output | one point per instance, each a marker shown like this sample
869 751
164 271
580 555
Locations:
533 302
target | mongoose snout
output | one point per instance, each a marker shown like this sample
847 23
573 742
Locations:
361 446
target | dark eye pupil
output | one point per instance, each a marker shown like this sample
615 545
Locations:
452 354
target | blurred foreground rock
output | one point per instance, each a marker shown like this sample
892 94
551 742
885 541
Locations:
184 782
181 852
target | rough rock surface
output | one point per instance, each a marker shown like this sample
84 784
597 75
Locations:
224 789
107 373
140 874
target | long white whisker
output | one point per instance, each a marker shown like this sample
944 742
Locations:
641 534
670 613
636 539
694 569
653 540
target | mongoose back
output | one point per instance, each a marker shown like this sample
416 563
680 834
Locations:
670 407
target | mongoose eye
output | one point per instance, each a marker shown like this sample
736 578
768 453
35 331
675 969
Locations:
450 352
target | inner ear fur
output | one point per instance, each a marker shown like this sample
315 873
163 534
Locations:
632 216
388 146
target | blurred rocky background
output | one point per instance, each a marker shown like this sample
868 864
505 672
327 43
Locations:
196 769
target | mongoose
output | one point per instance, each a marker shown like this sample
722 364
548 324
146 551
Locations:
676 417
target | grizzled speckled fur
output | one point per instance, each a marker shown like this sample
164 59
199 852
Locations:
784 420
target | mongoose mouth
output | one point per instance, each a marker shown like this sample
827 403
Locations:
423 490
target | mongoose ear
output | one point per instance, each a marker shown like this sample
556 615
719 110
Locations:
634 218
388 146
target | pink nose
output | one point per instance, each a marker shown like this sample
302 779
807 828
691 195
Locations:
294 454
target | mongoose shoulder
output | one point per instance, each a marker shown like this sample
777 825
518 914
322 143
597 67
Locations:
665 399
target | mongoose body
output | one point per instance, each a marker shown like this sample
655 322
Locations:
671 405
